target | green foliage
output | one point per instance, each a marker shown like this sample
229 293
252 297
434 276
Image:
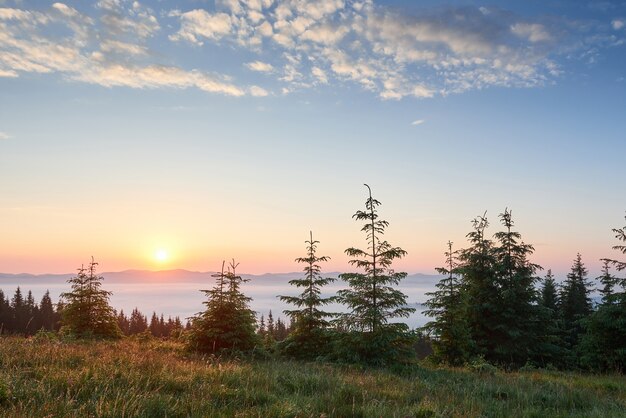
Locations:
227 325
87 313
518 322
575 303
452 342
158 379
372 298
549 349
603 345
310 336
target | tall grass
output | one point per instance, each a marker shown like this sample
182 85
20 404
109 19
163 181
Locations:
132 378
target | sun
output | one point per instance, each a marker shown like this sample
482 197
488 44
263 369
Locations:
161 255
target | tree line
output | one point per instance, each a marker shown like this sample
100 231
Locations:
490 306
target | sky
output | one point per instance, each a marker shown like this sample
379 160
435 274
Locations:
175 134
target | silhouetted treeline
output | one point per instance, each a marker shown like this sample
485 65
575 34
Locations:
22 315
158 326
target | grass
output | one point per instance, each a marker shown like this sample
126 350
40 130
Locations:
131 378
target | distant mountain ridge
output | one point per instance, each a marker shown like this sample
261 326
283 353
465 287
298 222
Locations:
188 276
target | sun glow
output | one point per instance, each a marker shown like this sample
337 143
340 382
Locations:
161 255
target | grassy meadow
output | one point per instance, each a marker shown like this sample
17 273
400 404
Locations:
42 377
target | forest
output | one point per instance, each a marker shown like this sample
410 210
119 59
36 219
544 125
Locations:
491 307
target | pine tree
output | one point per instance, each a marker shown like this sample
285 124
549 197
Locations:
603 346
87 312
575 303
137 323
609 283
518 322
478 267
310 338
372 299
549 295
227 324
123 323
20 316
550 347
452 342
5 313
46 312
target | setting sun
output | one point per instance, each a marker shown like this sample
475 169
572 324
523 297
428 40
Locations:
161 255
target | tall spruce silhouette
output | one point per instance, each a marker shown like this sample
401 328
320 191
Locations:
478 267
515 276
575 302
86 312
447 305
603 345
372 297
309 336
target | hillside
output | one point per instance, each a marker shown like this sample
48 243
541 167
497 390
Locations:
46 378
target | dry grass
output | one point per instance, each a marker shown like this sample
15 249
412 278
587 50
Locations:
130 378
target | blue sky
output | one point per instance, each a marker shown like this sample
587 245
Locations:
230 128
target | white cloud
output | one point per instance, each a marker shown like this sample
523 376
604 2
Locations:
122 47
417 122
8 73
198 24
106 59
4 136
257 91
260 66
534 32
320 75
428 53
155 76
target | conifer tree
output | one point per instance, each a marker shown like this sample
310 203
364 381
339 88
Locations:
310 336
447 305
137 323
478 267
19 318
603 346
227 324
609 283
575 303
550 347
518 321
4 314
87 312
123 323
372 297
46 312
549 295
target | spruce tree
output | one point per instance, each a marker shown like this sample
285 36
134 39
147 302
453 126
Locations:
518 322
550 347
372 297
20 316
447 305
575 303
87 312
603 346
137 322
5 314
310 336
46 312
227 325
478 267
